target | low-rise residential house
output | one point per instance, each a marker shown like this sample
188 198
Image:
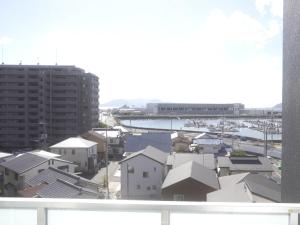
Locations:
80 151
25 166
55 183
234 165
205 143
138 141
180 143
189 182
142 174
100 140
246 187
115 141
177 159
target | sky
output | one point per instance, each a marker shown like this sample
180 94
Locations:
177 51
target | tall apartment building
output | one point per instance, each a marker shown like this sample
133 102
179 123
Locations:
45 102
290 188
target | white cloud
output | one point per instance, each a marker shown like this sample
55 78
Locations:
241 27
275 7
4 40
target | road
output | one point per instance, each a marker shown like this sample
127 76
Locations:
250 147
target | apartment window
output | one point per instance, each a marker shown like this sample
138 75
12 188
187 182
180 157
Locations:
138 187
145 174
153 187
148 188
73 151
40 170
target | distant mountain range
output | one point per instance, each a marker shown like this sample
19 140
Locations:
132 103
277 107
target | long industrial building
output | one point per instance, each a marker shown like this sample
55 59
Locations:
42 105
194 109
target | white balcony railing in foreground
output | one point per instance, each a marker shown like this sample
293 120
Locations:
15 211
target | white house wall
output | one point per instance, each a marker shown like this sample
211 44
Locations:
130 181
80 157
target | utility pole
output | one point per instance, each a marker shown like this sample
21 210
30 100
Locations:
106 162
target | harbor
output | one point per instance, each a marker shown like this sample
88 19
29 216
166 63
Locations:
256 129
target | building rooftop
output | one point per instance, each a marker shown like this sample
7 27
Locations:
134 143
241 187
50 175
192 170
64 189
150 152
74 142
4 155
177 159
111 133
45 154
259 163
23 162
263 186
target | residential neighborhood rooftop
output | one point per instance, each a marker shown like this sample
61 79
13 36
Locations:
161 140
23 162
241 187
150 152
259 163
192 170
74 142
64 189
45 154
177 159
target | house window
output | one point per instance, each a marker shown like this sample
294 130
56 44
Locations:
130 169
59 151
148 188
40 170
153 187
178 197
73 151
145 174
49 162
52 161
138 187
65 152
6 172
16 176
154 169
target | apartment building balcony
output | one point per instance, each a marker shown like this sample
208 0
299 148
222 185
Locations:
15 211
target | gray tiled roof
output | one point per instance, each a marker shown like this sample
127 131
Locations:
246 163
177 159
150 152
63 189
235 193
50 175
227 181
242 188
263 186
192 170
134 143
23 162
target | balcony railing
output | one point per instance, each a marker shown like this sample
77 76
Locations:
15 211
